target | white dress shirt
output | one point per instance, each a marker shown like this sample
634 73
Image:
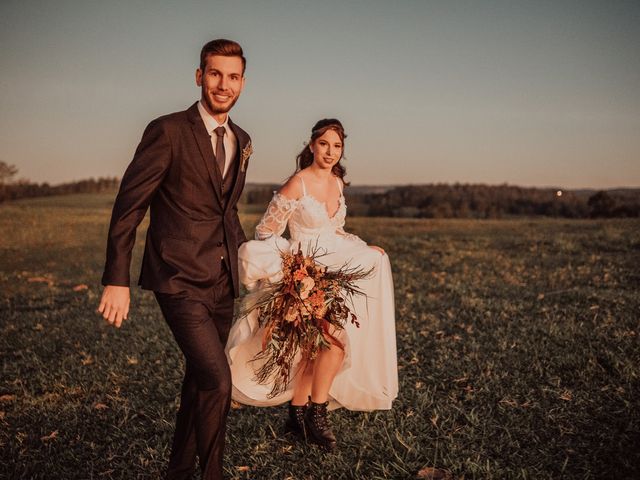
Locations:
229 139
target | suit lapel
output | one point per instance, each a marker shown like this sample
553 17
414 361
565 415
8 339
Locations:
243 140
203 141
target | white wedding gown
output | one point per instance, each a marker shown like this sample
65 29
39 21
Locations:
368 378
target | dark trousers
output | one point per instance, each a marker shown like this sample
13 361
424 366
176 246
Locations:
201 329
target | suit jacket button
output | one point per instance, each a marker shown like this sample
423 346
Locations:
220 244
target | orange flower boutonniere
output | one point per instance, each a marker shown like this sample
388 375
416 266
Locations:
246 153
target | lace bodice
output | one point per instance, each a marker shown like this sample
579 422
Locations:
307 217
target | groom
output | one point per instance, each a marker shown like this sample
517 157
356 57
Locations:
189 169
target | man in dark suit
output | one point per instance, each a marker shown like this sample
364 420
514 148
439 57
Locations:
189 169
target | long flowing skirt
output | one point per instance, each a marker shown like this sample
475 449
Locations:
368 378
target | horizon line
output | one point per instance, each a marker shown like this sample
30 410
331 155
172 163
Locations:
379 185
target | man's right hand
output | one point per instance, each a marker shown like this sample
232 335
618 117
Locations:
114 305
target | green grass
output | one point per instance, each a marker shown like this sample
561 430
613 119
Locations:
518 349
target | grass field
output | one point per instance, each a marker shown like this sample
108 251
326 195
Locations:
518 344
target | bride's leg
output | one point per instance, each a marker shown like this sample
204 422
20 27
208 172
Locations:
302 387
327 365
298 405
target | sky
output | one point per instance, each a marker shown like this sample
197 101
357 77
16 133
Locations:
531 93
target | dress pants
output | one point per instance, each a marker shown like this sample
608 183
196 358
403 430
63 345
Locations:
201 329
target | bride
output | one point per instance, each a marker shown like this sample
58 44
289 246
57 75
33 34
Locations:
361 374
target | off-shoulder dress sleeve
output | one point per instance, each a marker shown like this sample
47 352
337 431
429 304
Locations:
274 220
260 259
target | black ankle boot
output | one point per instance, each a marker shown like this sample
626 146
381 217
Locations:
295 421
318 428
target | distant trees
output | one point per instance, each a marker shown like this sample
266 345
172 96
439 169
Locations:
258 194
7 172
474 201
601 204
498 201
416 201
14 190
605 204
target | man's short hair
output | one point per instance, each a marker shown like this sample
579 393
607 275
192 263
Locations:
224 48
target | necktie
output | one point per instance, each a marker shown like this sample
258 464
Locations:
220 153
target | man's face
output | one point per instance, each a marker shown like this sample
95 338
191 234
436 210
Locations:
221 83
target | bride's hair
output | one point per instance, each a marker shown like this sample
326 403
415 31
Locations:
305 157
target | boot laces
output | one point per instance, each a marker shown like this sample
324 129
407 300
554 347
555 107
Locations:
320 417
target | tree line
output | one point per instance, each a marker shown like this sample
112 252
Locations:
473 201
498 201
414 201
11 189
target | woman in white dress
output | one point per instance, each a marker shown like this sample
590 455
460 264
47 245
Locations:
361 374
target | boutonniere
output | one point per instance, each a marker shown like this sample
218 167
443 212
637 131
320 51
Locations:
246 153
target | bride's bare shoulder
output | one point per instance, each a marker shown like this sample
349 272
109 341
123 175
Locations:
292 189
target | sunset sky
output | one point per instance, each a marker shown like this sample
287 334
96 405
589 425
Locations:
534 93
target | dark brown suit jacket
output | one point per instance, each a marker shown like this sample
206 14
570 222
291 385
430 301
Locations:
193 224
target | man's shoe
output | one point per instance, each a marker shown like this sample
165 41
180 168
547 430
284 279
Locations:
317 424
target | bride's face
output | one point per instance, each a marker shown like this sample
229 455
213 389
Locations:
327 149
